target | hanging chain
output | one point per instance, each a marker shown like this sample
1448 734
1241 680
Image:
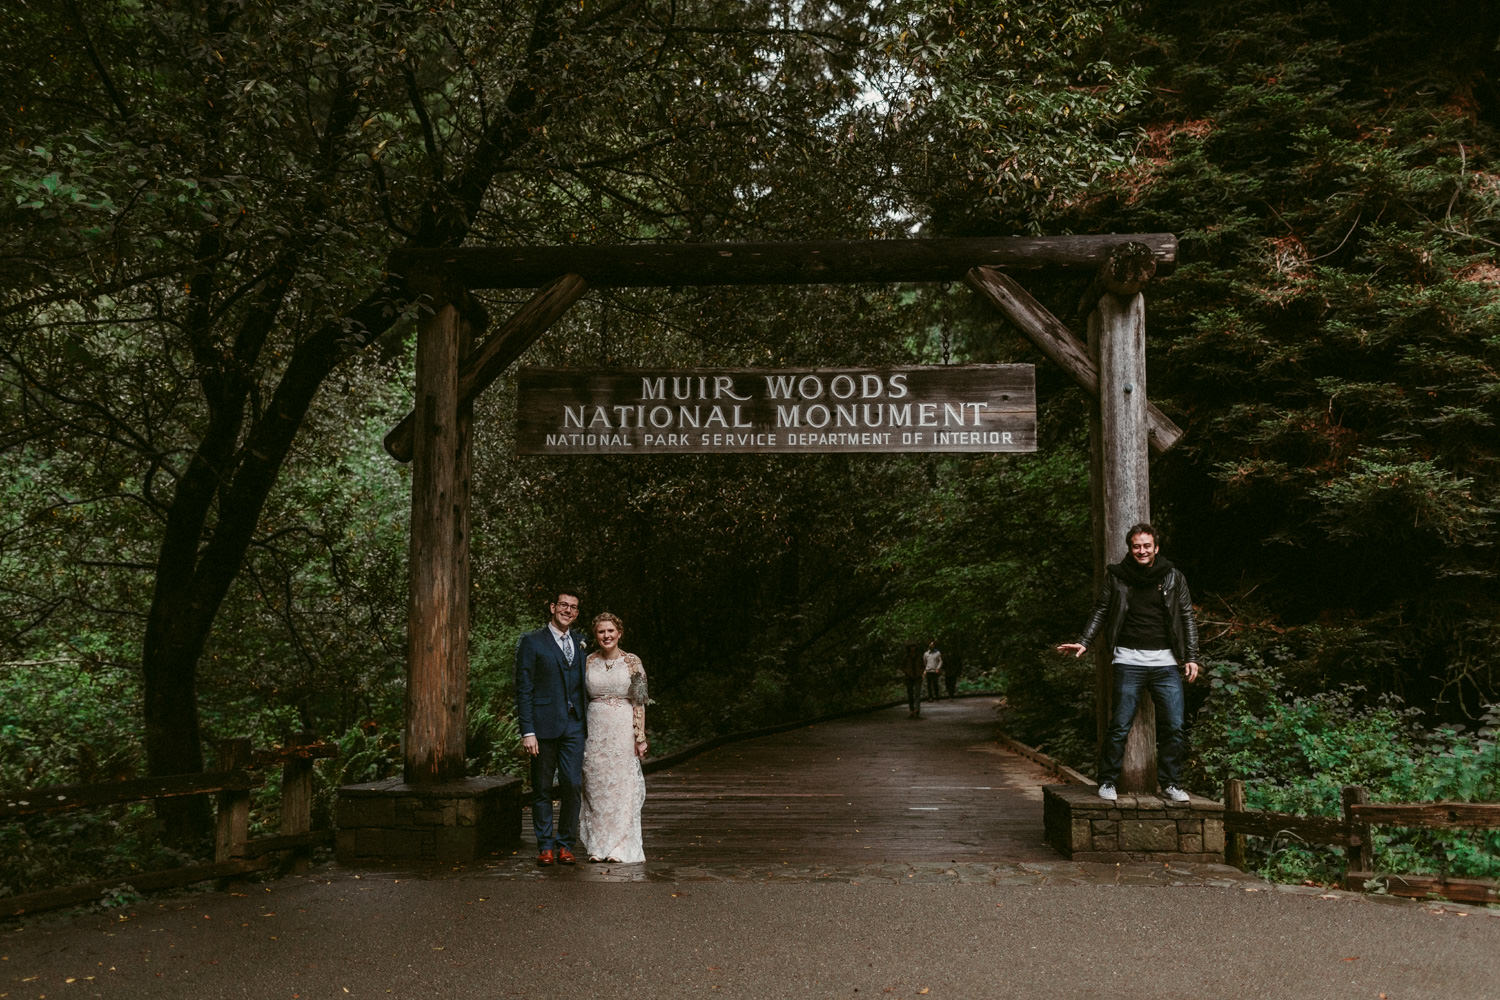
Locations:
947 320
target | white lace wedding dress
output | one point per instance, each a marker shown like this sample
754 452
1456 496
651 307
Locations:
613 787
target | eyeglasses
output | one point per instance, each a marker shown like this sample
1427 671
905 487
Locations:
565 607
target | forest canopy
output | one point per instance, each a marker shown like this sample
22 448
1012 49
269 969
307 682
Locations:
201 347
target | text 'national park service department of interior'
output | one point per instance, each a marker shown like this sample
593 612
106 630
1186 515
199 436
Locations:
948 408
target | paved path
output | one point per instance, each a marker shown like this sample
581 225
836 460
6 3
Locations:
869 788
947 893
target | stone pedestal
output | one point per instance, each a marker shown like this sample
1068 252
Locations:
1138 827
384 821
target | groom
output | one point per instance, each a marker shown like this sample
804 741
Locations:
550 708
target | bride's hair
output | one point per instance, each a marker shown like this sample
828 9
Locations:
607 616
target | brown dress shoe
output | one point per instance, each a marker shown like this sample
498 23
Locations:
564 856
545 858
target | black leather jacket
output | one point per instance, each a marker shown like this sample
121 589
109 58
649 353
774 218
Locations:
1109 608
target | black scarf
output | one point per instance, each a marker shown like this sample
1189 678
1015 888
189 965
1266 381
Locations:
1136 575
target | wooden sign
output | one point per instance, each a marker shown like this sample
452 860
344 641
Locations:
948 408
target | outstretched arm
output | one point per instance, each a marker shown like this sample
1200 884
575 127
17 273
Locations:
1096 620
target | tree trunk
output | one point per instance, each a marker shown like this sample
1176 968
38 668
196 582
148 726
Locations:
1117 336
192 581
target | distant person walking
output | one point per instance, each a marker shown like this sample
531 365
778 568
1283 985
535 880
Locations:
911 672
932 669
953 665
1147 616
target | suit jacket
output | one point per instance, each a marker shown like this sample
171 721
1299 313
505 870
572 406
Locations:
547 684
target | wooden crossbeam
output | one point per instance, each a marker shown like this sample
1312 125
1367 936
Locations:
825 262
51 899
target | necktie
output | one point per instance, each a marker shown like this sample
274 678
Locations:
568 646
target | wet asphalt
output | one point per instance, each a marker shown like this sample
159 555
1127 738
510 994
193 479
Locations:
935 904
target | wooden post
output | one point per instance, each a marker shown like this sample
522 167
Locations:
296 797
1234 801
1360 854
437 665
232 809
498 352
1122 491
1104 671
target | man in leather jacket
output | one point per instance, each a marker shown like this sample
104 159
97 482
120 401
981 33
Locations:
1146 613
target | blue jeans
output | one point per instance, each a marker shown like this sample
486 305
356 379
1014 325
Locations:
1165 685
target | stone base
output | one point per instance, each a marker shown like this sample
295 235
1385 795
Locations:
460 821
1138 827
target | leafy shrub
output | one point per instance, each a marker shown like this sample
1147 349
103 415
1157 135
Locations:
66 720
1296 753
1051 702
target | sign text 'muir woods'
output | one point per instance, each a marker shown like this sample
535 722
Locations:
951 408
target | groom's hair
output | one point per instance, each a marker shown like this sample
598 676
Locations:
570 592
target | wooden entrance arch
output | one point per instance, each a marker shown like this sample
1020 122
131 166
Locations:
454 365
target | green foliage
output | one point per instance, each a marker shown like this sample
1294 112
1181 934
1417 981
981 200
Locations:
61 723
494 740
366 753
1296 753
1328 338
314 631
1016 104
44 852
975 553
74 697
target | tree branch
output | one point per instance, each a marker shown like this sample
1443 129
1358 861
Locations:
98 62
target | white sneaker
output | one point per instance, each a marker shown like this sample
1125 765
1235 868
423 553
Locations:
1107 792
1175 794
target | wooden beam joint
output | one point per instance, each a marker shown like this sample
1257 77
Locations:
499 351
1126 271
1059 343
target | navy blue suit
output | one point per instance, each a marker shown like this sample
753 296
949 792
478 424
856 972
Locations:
550 703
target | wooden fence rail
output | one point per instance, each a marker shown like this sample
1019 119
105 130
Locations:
1352 832
234 852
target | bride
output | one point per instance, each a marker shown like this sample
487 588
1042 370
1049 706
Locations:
613 786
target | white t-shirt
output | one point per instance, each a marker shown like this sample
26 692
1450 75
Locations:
1145 657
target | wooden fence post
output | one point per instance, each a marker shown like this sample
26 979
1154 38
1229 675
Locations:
1234 801
1360 855
296 797
232 809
